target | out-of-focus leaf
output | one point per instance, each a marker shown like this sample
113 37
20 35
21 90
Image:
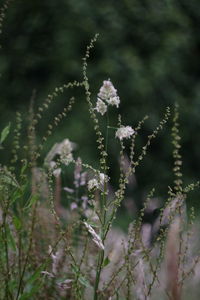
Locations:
84 281
30 294
32 201
24 167
106 261
5 133
10 238
17 223
9 179
35 275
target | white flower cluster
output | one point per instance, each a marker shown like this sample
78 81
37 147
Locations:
101 107
124 132
107 96
96 237
98 183
64 150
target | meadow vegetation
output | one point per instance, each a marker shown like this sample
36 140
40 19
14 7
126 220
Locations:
58 239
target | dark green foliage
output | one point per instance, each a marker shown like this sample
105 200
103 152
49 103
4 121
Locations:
149 49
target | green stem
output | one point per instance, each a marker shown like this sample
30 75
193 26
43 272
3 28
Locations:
99 268
28 252
103 212
5 240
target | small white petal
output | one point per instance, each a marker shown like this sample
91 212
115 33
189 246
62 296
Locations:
124 132
101 107
73 206
107 90
57 172
71 191
92 183
114 101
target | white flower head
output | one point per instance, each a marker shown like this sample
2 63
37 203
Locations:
63 149
103 178
124 132
92 183
109 94
107 90
101 107
98 182
114 101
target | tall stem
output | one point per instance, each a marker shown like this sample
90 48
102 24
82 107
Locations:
103 212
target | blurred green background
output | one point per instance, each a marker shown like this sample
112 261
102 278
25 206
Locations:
149 50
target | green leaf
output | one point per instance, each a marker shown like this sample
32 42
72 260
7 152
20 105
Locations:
106 261
32 286
28 295
17 223
35 275
17 194
75 269
24 167
9 179
5 133
81 278
33 199
13 284
10 238
84 281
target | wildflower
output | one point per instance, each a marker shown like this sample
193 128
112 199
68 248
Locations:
124 132
103 178
97 182
73 206
107 94
63 149
101 107
96 238
83 178
92 183
77 172
107 90
114 101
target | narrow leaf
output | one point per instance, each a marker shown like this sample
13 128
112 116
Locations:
5 133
